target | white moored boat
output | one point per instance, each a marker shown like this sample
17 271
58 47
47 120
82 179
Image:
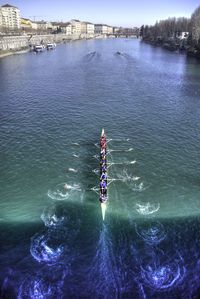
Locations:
51 46
39 48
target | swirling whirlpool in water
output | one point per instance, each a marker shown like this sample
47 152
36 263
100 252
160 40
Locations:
63 191
39 288
54 216
161 277
152 232
46 247
147 208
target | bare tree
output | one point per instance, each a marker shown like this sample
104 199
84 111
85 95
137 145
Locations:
195 25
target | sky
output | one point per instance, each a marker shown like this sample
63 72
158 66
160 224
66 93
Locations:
126 13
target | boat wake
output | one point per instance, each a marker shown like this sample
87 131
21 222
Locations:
163 275
137 187
47 247
54 216
72 170
152 232
43 285
125 177
102 274
38 288
92 55
148 208
63 191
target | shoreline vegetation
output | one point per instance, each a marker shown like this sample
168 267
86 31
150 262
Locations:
175 34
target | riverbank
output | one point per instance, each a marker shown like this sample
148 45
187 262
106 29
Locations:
9 53
175 45
11 45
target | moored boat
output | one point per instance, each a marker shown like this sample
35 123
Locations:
39 48
51 46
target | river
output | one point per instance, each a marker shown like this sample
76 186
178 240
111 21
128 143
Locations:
53 242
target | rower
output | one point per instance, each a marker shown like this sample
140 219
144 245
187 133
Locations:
103 185
103 151
103 157
103 167
103 176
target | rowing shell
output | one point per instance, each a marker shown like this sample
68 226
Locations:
103 196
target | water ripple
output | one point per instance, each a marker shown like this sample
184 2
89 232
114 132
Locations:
152 232
164 276
53 216
46 248
147 208
63 191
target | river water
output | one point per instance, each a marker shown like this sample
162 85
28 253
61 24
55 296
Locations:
53 242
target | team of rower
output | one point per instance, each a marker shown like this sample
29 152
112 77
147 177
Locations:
103 170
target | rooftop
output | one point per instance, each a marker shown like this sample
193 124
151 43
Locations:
101 25
85 22
8 5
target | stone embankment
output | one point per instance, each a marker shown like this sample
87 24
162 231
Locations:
16 44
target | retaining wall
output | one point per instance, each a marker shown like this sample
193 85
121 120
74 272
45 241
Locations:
8 43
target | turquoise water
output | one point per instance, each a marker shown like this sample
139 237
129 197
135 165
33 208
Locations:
54 243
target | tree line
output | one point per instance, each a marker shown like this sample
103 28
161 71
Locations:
175 32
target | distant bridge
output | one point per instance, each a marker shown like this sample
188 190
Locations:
125 35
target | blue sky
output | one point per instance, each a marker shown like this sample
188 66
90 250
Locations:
113 12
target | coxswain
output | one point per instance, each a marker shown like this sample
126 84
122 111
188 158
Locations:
102 141
103 198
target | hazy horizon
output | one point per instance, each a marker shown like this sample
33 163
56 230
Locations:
128 13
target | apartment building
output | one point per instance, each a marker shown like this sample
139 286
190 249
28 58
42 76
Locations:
10 17
76 27
116 30
100 29
87 28
109 30
66 28
44 26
